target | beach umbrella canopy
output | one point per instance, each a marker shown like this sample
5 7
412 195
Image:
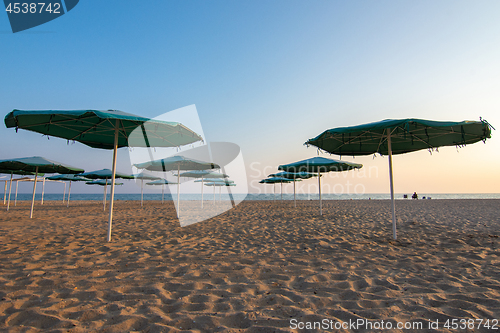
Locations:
177 163
399 136
293 175
37 164
69 177
101 182
105 174
215 180
406 135
109 129
159 182
96 128
203 174
220 184
274 180
319 165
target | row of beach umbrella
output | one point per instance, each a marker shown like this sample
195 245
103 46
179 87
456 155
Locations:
388 137
114 129
109 129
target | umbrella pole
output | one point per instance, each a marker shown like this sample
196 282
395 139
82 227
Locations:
201 191
5 192
15 198
393 208
34 189
274 194
178 189
320 202
142 189
281 191
43 189
214 194
10 190
162 192
69 193
294 199
64 193
110 221
104 195
220 193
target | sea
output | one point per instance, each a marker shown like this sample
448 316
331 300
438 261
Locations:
239 197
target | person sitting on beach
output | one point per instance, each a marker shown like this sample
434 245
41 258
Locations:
415 195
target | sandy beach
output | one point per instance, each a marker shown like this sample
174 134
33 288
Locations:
261 267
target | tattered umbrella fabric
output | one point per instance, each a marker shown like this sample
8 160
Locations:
399 136
109 129
37 164
319 165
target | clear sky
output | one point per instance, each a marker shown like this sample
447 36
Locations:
268 75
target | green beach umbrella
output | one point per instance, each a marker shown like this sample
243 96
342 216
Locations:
203 174
109 129
176 163
142 176
12 173
276 180
101 182
319 165
106 174
37 164
294 176
69 178
399 136
161 182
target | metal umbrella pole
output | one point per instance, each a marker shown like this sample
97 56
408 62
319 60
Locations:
15 198
34 189
69 193
43 189
391 181
10 189
110 221
319 185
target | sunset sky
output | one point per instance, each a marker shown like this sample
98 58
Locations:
268 76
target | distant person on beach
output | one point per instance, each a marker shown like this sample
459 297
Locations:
415 195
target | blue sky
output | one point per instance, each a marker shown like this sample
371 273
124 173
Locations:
268 76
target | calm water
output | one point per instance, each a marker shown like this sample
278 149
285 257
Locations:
380 196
